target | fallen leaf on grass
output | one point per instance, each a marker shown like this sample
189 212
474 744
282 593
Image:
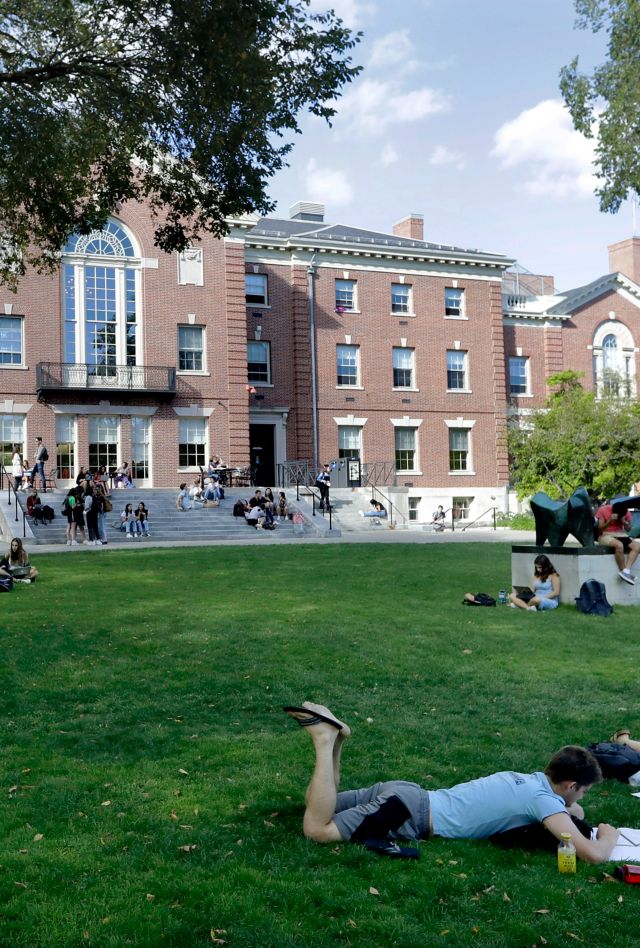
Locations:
26 770
453 862
467 651
275 813
238 842
242 806
574 936
373 891
214 936
21 885
150 897
351 923
188 848
541 912
505 897
106 803
268 823
181 770
475 930
543 941
445 931
186 826
489 889
13 789
177 793
23 852
620 898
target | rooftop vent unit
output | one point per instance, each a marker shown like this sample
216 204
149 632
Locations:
306 211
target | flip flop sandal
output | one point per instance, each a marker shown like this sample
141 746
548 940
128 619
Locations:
388 847
314 717
615 738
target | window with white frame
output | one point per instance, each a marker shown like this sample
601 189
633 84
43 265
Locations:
350 441
405 448
259 362
256 289
414 504
11 340
518 375
453 302
614 361
66 446
11 437
459 450
460 507
456 370
192 442
403 367
348 365
346 295
101 275
140 441
103 441
400 298
190 348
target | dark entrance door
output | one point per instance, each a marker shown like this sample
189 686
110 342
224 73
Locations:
263 454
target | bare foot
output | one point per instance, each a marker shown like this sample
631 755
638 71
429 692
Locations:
321 709
620 737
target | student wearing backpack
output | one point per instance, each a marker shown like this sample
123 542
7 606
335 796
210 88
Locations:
545 587
42 455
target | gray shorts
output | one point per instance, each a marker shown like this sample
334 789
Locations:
395 809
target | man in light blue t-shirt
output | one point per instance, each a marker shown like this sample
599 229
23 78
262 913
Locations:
477 809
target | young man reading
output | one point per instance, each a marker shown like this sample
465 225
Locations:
474 810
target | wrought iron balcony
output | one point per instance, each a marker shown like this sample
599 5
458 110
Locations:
158 380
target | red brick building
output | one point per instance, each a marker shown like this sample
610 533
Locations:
296 339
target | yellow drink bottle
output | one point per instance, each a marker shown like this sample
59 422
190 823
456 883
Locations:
566 854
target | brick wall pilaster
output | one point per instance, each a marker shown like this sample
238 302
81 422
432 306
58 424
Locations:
499 385
238 397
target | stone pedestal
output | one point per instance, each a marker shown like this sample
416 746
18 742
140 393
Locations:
576 564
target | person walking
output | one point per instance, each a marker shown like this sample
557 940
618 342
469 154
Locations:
323 480
42 455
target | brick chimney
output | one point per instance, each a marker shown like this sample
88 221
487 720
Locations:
624 257
411 227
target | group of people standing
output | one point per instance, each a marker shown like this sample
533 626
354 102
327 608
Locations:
86 505
23 473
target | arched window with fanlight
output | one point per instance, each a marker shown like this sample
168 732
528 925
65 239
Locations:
101 293
614 365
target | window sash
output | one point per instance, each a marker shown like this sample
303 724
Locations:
405 449
456 369
518 382
349 441
256 288
400 298
347 365
190 348
453 301
259 362
10 340
192 439
346 294
458 449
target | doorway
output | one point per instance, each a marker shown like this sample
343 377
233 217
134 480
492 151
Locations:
262 452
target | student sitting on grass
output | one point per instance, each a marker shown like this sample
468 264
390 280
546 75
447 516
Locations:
473 810
16 564
545 588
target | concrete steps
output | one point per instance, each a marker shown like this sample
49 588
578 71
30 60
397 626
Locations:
346 506
165 521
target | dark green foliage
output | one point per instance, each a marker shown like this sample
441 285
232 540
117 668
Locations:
122 669
188 103
606 103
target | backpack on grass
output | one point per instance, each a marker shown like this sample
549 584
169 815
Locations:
593 599
617 761
480 599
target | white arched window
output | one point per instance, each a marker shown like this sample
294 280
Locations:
614 362
101 293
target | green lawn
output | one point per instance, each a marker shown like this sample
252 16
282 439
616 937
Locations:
141 714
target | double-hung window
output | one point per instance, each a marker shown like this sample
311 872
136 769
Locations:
406 450
459 449
259 362
190 348
349 441
11 340
400 298
192 442
403 368
456 370
453 302
518 375
11 436
345 295
348 365
256 289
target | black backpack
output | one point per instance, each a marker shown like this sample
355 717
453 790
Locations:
593 599
480 599
238 508
45 455
617 761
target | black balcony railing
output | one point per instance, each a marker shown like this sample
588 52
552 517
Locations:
143 379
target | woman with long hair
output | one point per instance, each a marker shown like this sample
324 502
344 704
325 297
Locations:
16 563
545 588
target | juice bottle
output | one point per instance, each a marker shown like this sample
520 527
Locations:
566 854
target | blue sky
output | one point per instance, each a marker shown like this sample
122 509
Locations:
457 115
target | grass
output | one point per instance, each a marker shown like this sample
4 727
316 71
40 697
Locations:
141 699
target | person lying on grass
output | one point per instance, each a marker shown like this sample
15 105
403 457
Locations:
474 810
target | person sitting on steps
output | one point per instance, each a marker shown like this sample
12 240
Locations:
473 810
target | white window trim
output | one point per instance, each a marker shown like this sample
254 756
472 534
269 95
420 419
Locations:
268 384
203 371
467 426
411 309
463 301
527 366
465 390
416 455
265 277
16 366
358 386
352 309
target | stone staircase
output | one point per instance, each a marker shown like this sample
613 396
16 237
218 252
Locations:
346 506
165 521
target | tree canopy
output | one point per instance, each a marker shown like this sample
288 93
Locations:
576 440
191 104
606 103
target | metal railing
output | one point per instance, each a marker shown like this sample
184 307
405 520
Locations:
139 378
4 475
296 472
489 510
317 499
379 472
391 506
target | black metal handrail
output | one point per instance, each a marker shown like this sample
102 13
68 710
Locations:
379 472
140 378
392 506
11 487
491 510
296 472
315 496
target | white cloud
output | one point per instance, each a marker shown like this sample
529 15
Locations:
389 155
327 185
441 155
352 12
557 160
372 105
391 49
